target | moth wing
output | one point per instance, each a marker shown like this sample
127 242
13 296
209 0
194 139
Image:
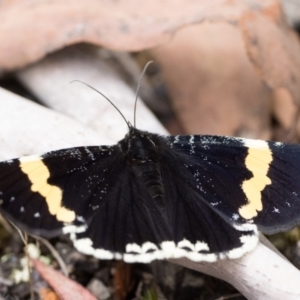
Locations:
48 193
245 180
86 192
137 228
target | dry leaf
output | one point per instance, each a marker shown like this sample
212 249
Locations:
48 294
274 49
217 73
285 111
66 288
213 85
30 29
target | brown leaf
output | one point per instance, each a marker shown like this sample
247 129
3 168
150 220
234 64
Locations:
214 78
285 109
215 89
32 28
274 49
66 288
47 294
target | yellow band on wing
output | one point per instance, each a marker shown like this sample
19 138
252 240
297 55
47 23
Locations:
257 161
38 175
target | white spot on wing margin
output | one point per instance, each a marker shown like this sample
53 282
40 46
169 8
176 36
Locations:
259 144
249 241
169 249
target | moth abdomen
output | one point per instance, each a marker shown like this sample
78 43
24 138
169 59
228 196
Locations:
149 176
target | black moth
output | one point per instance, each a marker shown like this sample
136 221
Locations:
154 197
157 197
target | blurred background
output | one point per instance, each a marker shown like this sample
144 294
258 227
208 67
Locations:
220 67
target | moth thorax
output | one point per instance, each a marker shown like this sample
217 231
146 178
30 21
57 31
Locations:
141 150
146 167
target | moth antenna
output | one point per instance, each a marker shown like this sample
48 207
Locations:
137 91
103 97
